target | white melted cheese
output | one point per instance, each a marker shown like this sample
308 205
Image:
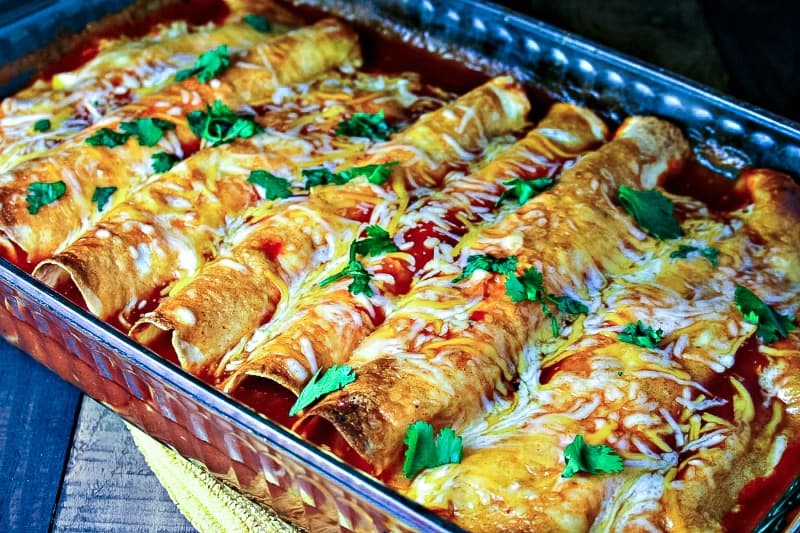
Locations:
654 439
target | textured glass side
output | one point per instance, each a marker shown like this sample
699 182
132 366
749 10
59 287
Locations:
28 26
273 466
569 68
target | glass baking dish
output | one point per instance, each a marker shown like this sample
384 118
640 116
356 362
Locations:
305 484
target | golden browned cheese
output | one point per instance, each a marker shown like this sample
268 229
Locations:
329 322
297 56
782 376
274 253
122 72
690 431
83 167
431 351
172 225
203 262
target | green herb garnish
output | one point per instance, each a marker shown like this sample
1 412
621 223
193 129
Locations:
162 162
102 195
640 335
41 194
258 23
772 326
652 211
567 305
423 451
42 125
592 459
529 286
377 242
355 270
320 176
208 66
107 137
372 126
376 174
219 125
683 251
274 187
506 266
334 378
524 190
148 131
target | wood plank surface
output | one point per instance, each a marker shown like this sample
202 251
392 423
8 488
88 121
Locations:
37 415
108 486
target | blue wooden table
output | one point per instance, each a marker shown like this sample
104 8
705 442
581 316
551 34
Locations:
69 464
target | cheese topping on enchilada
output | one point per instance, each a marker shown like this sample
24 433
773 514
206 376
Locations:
517 325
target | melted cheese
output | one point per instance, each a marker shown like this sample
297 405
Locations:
602 387
235 277
121 73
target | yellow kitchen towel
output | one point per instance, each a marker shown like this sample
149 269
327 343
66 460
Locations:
210 505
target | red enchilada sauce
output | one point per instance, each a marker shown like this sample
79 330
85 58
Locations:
17 256
386 55
196 12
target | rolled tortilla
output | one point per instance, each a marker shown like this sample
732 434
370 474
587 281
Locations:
273 255
670 419
83 167
122 72
778 220
329 322
174 224
452 137
165 231
448 346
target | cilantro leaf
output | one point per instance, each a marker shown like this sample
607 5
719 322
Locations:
258 23
372 126
683 251
515 289
218 124
163 161
567 305
526 287
529 286
208 66
354 269
423 451
712 254
652 211
592 459
506 266
334 378
320 176
102 195
43 193
772 326
274 187
524 190
640 335
375 174
377 242
148 131
107 137
42 125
